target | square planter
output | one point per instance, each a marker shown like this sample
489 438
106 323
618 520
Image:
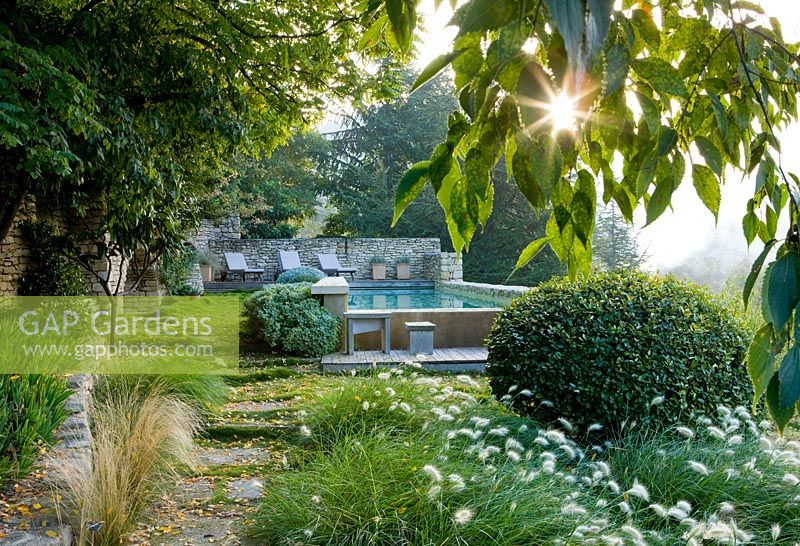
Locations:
378 272
207 272
403 271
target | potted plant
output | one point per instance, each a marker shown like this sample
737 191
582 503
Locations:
404 267
208 262
378 268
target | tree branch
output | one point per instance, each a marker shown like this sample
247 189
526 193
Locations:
764 110
271 36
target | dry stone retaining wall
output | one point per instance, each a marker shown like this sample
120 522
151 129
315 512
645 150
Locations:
357 252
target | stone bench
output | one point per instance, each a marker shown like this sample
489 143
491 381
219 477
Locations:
420 337
361 322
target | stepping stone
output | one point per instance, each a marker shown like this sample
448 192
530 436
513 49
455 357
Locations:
199 490
250 489
205 530
254 406
25 538
232 456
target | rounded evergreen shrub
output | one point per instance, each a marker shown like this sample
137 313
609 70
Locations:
288 319
617 348
301 274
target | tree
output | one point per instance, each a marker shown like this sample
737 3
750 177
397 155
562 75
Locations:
615 244
373 150
714 81
126 110
369 157
274 194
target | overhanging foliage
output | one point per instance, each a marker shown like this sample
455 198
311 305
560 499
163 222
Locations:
681 89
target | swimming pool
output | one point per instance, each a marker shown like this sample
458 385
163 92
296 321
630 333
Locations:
415 299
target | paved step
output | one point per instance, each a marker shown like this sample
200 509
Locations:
249 406
248 431
232 456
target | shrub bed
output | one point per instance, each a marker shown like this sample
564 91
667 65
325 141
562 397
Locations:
301 274
618 348
288 319
31 409
450 469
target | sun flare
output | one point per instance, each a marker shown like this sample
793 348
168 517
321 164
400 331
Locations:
563 113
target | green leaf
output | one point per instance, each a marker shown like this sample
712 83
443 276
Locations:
373 33
583 206
661 75
530 251
534 89
755 271
467 65
402 19
789 376
618 63
464 210
707 187
409 187
783 292
761 361
443 195
650 111
537 167
569 18
597 25
434 67
750 224
667 138
779 415
710 154
646 173
660 199
771 223
719 112
482 15
524 171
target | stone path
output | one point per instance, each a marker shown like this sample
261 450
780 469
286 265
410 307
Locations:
244 443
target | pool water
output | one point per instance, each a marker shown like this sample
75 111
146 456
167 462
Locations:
414 299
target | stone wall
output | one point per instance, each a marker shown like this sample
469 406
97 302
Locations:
216 230
14 254
195 280
263 253
450 268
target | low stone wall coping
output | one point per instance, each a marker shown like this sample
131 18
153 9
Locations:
492 291
330 286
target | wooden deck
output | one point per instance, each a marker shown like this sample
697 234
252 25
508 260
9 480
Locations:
229 286
462 359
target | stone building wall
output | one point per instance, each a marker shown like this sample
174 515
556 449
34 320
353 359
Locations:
357 252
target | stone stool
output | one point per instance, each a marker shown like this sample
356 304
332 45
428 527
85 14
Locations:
420 337
363 321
